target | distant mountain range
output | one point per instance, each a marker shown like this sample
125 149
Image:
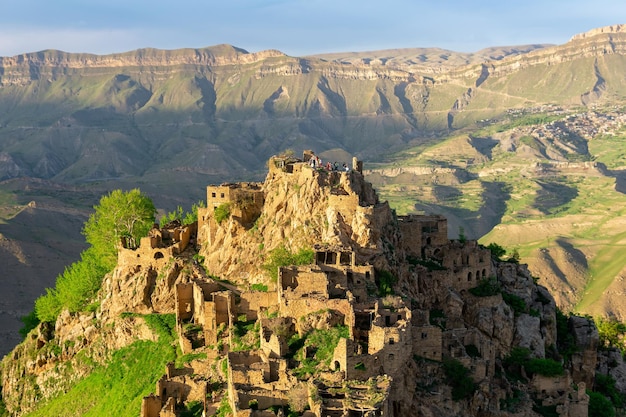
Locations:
73 126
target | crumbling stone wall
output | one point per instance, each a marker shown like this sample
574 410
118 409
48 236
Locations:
275 334
301 282
253 377
245 199
427 342
157 248
251 303
151 406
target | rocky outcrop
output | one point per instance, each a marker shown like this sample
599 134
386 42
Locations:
431 324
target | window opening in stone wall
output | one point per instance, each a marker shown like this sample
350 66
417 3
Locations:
345 258
332 258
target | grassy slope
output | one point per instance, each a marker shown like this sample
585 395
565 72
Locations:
116 389
567 225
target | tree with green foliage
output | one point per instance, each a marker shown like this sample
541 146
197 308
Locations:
611 332
462 237
497 251
180 215
515 257
119 213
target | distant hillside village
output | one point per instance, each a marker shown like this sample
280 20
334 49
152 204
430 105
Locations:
381 335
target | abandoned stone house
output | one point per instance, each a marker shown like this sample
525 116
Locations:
158 247
384 334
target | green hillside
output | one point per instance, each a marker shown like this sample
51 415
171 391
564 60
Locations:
530 192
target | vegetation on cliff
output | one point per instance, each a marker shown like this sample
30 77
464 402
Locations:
120 214
377 303
117 387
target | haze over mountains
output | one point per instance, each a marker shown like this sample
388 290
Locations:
442 131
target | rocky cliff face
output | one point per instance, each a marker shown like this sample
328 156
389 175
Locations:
453 308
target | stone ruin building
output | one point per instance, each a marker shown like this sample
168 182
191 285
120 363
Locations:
159 246
383 334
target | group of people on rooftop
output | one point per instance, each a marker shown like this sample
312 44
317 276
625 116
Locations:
316 162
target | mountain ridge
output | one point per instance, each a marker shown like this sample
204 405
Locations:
167 123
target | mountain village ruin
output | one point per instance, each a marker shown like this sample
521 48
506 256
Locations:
340 288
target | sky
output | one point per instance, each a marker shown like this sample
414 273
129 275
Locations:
295 27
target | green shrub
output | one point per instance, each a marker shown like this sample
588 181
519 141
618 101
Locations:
47 306
564 338
29 321
458 377
599 405
605 384
224 409
515 302
545 367
430 264
222 212
162 324
497 251
193 409
520 357
75 287
182 216
281 257
611 332
187 358
320 341
486 288
385 281
545 410
259 287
